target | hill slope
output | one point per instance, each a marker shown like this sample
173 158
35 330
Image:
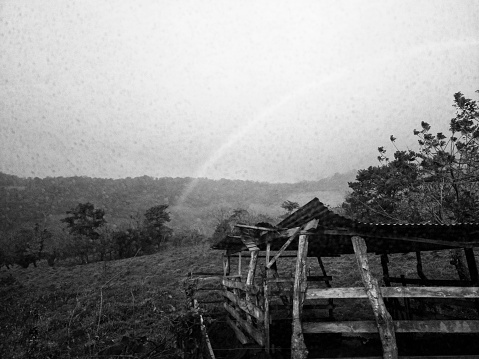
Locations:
192 201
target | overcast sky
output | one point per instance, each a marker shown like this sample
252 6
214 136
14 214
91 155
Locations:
262 90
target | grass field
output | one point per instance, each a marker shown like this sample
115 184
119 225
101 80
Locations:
80 310
131 307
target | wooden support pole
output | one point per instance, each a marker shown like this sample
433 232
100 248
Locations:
250 279
266 302
384 321
252 268
298 347
283 248
472 266
226 265
239 264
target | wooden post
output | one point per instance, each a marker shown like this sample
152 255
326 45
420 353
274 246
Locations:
226 264
471 264
250 278
239 264
384 321
266 302
298 348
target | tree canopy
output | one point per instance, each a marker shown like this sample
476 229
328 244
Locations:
437 183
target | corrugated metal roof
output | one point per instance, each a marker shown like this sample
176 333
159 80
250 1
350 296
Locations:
334 232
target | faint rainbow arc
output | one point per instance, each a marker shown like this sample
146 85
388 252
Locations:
337 75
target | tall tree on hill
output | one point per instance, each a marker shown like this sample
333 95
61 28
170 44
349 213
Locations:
155 225
83 222
438 183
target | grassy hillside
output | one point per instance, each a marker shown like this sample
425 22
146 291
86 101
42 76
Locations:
79 311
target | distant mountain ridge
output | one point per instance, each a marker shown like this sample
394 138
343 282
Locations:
45 200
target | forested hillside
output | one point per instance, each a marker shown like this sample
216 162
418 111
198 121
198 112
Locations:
193 203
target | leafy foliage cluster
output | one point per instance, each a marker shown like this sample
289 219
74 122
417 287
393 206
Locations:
438 183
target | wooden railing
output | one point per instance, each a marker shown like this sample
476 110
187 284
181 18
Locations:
248 314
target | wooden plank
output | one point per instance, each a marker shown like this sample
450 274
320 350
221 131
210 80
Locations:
258 228
266 303
239 334
250 243
400 326
248 307
384 321
432 282
449 244
284 247
280 280
253 289
256 334
239 264
298 347
226 265
250 278
395 292
310 278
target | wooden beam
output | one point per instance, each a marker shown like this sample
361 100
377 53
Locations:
395 292
450 244
258 228
266 303
253 289
472 266
298 347
252 268
400 326
384 321
248 307
283 248
432 282
239 334
226 265
239 264
256 334
250 279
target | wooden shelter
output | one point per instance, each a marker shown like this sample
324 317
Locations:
256 301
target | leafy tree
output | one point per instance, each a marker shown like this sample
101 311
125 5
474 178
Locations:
438 183
155 228
83 223
84 220
290 206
